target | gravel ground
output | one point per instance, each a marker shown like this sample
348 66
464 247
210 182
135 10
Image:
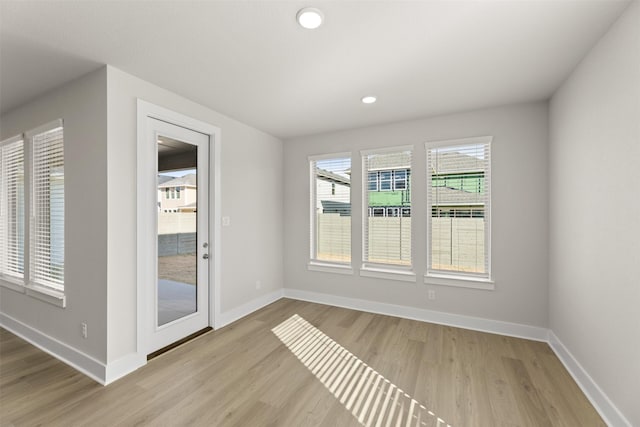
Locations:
180 268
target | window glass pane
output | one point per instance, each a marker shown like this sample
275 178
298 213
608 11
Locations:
331 201
47 250
400 179
388 223
372 181
458 198
385 180
12 209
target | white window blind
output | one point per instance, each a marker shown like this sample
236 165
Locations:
458 207
12 208
331 209
387 207
47 208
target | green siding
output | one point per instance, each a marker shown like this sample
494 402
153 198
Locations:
471 182
389 198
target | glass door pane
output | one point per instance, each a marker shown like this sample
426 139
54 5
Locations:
177 229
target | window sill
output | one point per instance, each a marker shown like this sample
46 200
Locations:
330 268
388 273
51 296
13 284
459 281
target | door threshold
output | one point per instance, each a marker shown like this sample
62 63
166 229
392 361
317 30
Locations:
179 343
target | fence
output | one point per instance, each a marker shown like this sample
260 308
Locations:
457 243
334 237
176 233
176 222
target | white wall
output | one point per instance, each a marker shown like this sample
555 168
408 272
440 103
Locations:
594 205
99 113
519 195
82 104
252 181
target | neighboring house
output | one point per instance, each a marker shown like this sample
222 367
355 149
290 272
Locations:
177 194
161 180
388 182
333 192
459 184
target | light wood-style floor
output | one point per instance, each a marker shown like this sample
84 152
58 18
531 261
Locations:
245 375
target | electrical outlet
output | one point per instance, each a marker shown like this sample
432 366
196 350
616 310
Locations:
84 330
431 294
226 221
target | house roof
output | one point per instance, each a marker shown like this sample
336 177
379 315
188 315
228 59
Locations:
447 196
333 177
164 178
396 160
188 180
455 162
448 162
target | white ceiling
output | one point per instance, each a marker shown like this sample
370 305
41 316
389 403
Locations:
251 61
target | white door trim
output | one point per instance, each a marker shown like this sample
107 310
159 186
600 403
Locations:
144 234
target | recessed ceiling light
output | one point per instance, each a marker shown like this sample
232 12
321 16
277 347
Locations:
309 18
368 99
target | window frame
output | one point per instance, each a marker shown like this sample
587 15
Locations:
12 279
459 278
397 179
376 187
384 270
314 263
26 285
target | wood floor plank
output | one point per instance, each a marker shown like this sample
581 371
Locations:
246 375
527 396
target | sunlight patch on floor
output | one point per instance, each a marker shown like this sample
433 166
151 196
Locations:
369 396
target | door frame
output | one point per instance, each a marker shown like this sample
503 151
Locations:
145 231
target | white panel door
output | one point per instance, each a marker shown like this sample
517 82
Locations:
178 294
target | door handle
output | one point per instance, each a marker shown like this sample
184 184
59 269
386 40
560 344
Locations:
205 256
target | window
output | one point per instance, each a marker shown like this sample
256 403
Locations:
47 207
400 179
386 228
372 181
39 196
12 208
385 180
166 193
458 202
388 180
177 192
331 209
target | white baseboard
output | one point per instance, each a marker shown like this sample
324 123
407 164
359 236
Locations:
94 369
431 316
607 410
89 366
245 309
123 366
105 374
